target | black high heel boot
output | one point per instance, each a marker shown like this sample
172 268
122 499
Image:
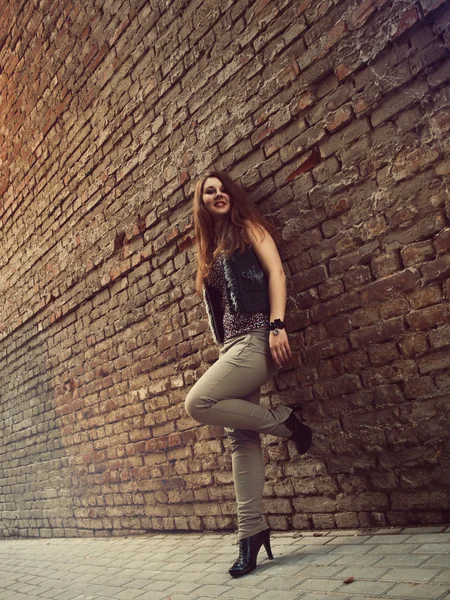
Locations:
301 434
248 552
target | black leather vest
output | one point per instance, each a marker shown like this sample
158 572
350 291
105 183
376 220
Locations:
247 289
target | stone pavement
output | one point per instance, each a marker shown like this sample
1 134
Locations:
406 564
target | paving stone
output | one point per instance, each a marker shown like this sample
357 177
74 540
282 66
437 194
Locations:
130 593
324 559
358 560
184 587
401 560
166 576
391 539
314 550
442 577
154 595
428 591
369 573
312 571
437 560
393 549
252 580
158 586
319 596
180 597
280 569
433 549
319 585
269 595
274 582
350 549
343 540
216 578
309 541
374 588
211 591
430 538
419 530
240 593
409 575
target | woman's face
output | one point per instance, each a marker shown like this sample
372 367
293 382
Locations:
215 198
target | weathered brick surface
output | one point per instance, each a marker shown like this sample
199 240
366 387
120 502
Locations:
335 115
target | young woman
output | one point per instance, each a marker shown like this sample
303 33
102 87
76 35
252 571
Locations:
244 287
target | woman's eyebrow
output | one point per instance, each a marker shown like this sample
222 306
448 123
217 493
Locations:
213 187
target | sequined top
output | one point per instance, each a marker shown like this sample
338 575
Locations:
238 323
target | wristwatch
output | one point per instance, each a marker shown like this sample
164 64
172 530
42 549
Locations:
276 325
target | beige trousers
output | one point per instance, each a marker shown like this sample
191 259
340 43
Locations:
228 394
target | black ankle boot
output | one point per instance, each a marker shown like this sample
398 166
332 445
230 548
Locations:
301 434
248 551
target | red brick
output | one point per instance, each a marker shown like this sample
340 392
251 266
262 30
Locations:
357 277
334 307
365 316
419 387
326 349
304 4
308 279
342 71
437 269
336 206
339 325
406 21
341 117
440 337
426 296
343 263
429 317
440 124
362 12
345 384
331 288
377 333
406 164
442 241
381 289
343 137
352 362
420 252
413 344
332 227
387 395
381 354
386 264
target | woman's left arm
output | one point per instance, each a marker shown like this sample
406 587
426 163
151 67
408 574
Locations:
267 253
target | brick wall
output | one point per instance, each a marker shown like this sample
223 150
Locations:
336 115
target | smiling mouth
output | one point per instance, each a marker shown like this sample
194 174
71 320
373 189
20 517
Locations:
220 204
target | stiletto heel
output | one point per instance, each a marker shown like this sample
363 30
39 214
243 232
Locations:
248 553
265 537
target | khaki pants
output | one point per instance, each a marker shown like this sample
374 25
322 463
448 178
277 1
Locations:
228 394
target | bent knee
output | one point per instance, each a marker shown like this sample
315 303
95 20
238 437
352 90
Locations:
194 406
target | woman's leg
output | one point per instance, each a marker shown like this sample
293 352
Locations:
218 397
248 475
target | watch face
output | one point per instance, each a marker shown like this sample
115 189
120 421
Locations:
276 331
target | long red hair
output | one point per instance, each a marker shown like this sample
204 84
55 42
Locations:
234 234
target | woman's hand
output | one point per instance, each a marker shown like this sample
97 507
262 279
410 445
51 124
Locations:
279 348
